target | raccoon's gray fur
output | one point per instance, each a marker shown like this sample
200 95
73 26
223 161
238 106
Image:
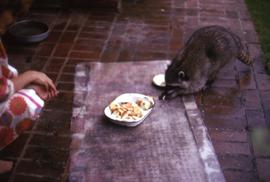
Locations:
205 53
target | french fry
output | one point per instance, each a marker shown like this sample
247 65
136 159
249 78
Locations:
128 110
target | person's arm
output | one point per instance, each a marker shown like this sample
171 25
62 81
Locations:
34 77
23 80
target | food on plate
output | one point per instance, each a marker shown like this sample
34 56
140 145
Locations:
145 105
129 110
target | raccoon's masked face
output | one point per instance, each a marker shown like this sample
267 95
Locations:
176 76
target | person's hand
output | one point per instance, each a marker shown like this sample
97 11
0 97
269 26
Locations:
42 79
41 91
36 78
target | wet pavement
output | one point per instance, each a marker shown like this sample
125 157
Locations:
234 108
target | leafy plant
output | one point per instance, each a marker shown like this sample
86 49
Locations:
260 13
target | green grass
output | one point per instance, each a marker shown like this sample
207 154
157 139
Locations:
260 12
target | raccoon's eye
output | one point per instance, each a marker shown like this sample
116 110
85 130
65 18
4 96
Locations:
181 74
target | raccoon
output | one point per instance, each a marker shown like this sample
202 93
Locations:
204 54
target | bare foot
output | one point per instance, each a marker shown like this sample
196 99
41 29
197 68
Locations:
5 166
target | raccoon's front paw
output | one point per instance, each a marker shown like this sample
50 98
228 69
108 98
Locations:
168 95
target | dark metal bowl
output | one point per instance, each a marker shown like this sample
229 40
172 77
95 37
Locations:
29 31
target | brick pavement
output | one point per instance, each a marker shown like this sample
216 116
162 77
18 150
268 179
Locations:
236 104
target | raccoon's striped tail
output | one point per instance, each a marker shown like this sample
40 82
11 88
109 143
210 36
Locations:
244 58
243 54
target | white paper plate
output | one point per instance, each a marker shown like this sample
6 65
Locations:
129 97
159 80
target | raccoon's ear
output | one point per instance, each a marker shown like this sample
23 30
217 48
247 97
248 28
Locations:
181 74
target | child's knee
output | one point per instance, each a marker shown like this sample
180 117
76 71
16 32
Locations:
26 104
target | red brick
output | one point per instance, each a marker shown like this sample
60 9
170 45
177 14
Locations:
255 118
149 55
53 67
246 80
108 4
14 149
240 176
265 95
236 162
110 54
25 178
101 15
192 21
228 136
84 55
209 20
231 14
225 83
50 141
58 105
46 155
69 69
225 148
192 4
175 46
57 61
267 117
126 55
46 50
96 35
98 23
248 25
223 92
68 37
192 12
243 67
251 99
211 12
224 112
251 36
20 50
65 86
56 123
244 14
151 47
67 78
95 28
74 62
53 37
225 123
119 30
52 76
73 27
90 42
234 25
60 26
89 47
255 52
66 96
156 21
38 63
263 169
52 170
263 81
218 100
226 73
62 50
